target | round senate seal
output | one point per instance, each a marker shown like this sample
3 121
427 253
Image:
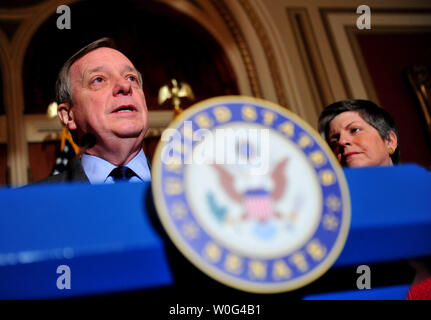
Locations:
251 194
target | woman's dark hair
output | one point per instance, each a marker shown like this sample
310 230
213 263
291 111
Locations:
369 111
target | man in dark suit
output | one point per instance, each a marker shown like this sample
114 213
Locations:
101 101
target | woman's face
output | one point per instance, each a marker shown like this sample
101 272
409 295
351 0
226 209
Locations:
358 144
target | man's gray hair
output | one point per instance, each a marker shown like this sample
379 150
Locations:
63 88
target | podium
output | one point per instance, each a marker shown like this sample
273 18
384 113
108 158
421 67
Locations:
101 233
105 239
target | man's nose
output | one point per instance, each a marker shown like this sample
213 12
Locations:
122 86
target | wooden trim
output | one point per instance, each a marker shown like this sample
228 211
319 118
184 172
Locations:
340 25
3 132
342 72
268 50
39 128
363 69
240 41
311 58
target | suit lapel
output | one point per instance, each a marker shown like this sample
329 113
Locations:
76 172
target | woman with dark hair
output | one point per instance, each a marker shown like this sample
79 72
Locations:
360 133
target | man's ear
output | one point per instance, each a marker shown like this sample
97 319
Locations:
392 141
65 113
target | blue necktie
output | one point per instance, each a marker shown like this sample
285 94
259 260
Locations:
122 173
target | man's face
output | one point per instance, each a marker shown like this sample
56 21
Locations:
107 97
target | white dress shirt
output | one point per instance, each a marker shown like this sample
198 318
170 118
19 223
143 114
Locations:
98 169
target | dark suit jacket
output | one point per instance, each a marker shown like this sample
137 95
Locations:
75 172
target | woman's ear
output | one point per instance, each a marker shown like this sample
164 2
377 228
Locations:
392 141
65 113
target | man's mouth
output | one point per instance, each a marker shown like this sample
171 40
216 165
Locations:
125 108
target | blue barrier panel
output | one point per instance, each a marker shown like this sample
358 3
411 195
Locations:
102 233
386 293
391 214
